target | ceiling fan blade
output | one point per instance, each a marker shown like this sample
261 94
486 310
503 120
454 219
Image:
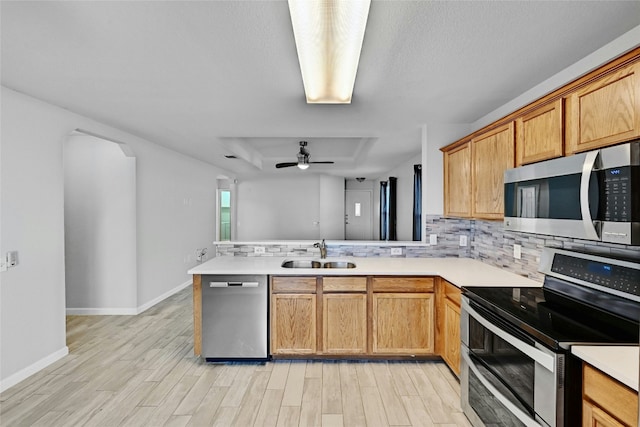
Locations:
326 163
286 165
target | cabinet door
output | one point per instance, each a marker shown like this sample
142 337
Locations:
451 353
403 323
539 134
293 324
605 112
344 318
457 181
593 416
612 396
492 154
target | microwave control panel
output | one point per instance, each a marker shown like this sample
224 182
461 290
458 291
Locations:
621 187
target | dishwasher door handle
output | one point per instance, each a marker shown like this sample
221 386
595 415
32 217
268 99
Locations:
234 284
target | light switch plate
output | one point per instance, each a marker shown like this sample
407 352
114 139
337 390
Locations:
258 249
433 239
396 251
463 240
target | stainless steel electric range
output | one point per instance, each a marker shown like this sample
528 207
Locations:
517 366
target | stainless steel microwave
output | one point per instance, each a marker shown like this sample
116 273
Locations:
593 196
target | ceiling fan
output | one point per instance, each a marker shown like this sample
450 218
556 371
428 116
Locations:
303 159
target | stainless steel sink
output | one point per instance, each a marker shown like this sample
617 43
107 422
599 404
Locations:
339 264
307 263
301 263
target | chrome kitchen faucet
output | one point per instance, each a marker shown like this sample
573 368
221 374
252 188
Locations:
323 249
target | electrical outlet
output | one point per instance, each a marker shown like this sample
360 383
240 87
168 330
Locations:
433 239
517 251
463 240
201 254
396 251
258 249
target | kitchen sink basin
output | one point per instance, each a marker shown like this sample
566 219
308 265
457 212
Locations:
301 263
339 264
306 263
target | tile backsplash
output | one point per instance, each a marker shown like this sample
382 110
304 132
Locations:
487 241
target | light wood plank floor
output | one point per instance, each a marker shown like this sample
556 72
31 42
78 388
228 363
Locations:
140 371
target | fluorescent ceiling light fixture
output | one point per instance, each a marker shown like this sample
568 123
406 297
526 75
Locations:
328 35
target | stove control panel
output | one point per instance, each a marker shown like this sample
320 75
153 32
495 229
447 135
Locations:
610 275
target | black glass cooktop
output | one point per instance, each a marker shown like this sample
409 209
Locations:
560 315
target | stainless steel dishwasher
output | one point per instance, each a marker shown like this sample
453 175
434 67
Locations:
234 317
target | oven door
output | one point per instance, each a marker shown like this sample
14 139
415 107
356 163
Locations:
507 378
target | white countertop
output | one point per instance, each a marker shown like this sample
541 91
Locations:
619 362
459 271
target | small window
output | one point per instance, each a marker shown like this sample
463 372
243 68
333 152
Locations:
224 214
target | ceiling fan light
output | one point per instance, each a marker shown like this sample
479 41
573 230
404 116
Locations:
328 36
303 166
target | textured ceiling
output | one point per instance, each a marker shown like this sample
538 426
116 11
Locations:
221 77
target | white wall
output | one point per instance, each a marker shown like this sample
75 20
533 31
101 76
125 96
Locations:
279 208
175 215
331 207
100 227
306 206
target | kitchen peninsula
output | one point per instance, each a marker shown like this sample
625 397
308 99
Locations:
382 308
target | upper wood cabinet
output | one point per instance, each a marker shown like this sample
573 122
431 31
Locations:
540 134
492 153
606 111
457 181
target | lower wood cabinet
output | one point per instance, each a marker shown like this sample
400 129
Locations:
293 324
293 315
448 324
451 350
403 323
606 402
344 326
351 316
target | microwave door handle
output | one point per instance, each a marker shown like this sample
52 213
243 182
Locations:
585 179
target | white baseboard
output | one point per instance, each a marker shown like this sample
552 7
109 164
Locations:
163 297
25 373
118 311
126 311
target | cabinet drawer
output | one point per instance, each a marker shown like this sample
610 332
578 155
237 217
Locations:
610 395
293 284
344 284
403 284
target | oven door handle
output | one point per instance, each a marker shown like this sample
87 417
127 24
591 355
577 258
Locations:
521 415
543 359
